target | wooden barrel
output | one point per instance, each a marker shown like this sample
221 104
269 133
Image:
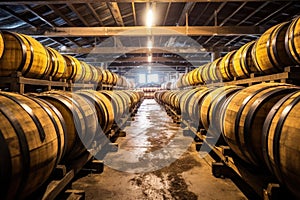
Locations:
103 107
268 53
110 78
80 117
206 75
115 78
226 67
58 66
32 143
199 74
214 71
1 45
73 70
292 41
184 102
126 101
25 54
281 141
86 71
195 104
211 108
117 103
100 75
95 75
242 61
244 117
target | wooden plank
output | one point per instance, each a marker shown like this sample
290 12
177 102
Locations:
146 31
56 187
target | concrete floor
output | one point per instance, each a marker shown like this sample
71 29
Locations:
155 161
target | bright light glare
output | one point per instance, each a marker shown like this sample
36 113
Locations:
152 78
150 58
149 67
149 44
142 78
149 19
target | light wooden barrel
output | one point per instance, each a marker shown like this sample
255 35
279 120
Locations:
80 117
195 104
25 54
242 61
95 75
210 109
268 53
117 103
58 65
100 75
86 71
244 117
1 45
32 143
281 141
126 101
110 77
184 101
115 78
214 71
226 67
292 41
73 70
103 107
206 75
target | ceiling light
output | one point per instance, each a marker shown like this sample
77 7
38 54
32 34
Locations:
150 45
149 19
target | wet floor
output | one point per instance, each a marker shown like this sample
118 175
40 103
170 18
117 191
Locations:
155 161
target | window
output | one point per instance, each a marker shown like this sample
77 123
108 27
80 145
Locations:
142 78
152 78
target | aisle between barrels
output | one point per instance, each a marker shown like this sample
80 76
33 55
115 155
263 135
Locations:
155 161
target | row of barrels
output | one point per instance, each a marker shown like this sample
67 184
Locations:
276 48
39 131
260 123
19 52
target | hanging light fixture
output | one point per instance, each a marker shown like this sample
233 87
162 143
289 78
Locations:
149 18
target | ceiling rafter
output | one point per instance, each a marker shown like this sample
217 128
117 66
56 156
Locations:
115 11
213 16
19 17
78 14
248 17
188 7
39 16
134 13
263 20
226 19
60 14
95 14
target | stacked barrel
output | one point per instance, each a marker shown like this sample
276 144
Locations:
39 131
19 52
276 48
259 123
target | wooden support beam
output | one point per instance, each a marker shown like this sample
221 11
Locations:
144 59
39 16
146 31
134 13
95 14
78 14
135 50
115 11
22 2
187 9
